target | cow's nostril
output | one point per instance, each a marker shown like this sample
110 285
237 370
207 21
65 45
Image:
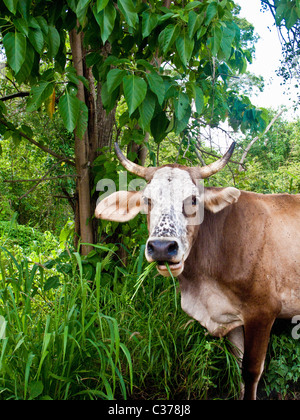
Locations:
173 248
150 248
162 250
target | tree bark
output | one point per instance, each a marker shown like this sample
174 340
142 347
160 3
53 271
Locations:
98 134
103 131
83 219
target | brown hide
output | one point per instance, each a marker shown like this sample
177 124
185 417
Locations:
245 264
252 249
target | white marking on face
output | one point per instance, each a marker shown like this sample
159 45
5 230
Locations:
168 192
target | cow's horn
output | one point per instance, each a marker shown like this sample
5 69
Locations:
213 168
131 166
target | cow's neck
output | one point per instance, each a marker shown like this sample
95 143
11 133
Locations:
204 295
208 248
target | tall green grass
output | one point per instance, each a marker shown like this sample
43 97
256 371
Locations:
58 344
93 328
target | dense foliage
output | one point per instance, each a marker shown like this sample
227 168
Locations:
163 63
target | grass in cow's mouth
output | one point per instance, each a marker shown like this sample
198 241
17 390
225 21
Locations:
174 284
146 273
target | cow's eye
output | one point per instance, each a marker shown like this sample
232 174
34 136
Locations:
147 201
189 206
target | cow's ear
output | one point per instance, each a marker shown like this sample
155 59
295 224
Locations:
217 200
120 206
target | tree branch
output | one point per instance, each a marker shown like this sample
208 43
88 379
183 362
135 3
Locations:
39 145
14 95
205 152
71 199
256 138
40 179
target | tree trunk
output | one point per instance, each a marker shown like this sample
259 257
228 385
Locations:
104 124
83 219
98 134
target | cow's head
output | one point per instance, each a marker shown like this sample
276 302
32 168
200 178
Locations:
173 199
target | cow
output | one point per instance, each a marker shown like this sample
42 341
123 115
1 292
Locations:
236 254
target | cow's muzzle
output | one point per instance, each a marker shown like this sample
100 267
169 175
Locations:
165 251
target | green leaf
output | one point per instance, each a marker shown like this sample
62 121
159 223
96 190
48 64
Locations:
149 22
11 5
37 39
82 4
24 7
35 389
53 41
214 42
181 124
81 11
39 94
291 17
181 105
199 100
101 4
15 48
192 5
33 23
159 125
109 99
157 86
146 110
106 20
167 37
146 64
26 130
227 40
284 10
135 89
184 46
114 79
52 283
82 120
69 107
21 25
211 12
127 8
3 110
43 25
194 23
26 68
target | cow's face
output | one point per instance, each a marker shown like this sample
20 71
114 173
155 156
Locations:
174 201
174 207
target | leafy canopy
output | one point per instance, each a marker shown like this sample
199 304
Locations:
169 61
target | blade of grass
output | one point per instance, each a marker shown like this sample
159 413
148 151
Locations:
129 361
141 259
30 358
174 284
142 278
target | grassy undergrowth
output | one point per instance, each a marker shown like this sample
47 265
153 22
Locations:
92 327
57 343
70 332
